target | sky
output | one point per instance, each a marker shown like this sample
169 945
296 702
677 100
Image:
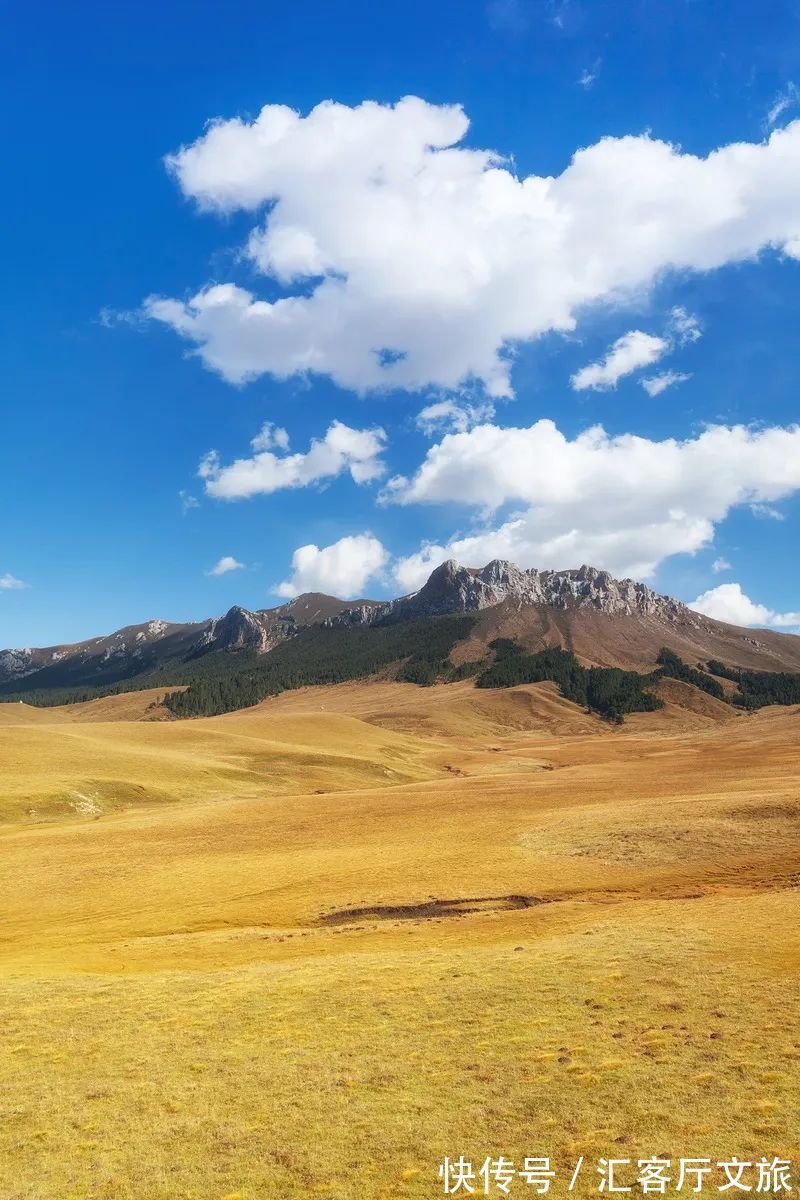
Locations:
315 296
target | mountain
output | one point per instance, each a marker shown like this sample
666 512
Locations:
605 621
138 649
602 620
103 659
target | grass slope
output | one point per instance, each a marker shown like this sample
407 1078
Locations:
57 767
254 991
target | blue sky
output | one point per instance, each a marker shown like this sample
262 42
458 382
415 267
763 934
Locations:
422 278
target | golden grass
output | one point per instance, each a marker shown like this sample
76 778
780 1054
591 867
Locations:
53 765
191 1003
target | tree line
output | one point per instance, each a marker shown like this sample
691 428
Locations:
608 691
758 688
329 654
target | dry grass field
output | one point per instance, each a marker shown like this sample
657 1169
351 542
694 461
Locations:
314 947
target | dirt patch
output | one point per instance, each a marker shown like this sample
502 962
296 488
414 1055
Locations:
732 882
431 909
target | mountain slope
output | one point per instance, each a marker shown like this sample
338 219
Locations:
141 649
602 620
630 641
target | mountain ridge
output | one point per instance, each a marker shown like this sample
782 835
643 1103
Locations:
452 587
585 609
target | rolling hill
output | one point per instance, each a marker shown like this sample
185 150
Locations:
397 923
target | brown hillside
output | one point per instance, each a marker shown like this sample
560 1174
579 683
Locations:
630 641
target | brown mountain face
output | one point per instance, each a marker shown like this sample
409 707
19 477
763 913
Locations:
604 621
630 640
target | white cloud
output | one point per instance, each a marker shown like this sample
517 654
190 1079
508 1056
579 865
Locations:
270 437
629 352
637 349
341 449
410 260
110 318
451 416
10 583
588 77
728 602
683 326
720 564
188 501
226 563
766 512
620 502
654 385
785 100
341 569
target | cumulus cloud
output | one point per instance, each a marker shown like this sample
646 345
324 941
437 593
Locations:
635 350
629 352
620 502
10 583
452 416
226 563
341 569
409 260
728 602
270 437
271 468
654 385
720 564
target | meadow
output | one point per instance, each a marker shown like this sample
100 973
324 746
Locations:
314 947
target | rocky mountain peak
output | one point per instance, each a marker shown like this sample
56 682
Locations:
240 629
453 588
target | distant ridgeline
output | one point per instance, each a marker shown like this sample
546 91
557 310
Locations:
415 651
418 651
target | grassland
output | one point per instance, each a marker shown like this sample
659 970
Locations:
313 947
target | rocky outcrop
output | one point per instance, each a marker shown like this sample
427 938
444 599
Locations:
241 629
452 588
16 664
